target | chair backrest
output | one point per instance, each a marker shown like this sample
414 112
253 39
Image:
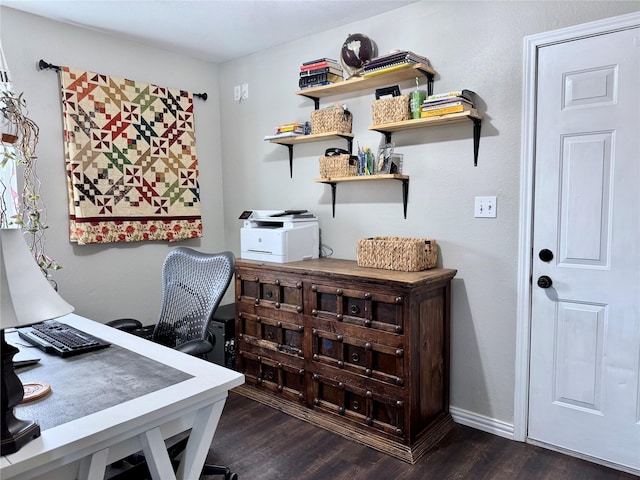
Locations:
193 283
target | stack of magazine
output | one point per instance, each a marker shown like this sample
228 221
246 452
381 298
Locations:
393 61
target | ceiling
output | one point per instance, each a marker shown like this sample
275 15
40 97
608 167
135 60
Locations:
212 30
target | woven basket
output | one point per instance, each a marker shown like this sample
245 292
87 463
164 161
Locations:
331 120
397 253
392 109
338 166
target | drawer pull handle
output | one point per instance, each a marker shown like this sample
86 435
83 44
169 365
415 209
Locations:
355 358
269 294
269 375
355 406
270 335
354 309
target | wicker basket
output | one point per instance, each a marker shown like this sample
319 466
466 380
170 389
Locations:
338 166
397 253
331 120
392 109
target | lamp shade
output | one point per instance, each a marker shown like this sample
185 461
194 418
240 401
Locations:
26 297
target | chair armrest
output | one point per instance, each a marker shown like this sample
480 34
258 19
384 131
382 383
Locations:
126 324
197 348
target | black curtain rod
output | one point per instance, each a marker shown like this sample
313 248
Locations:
42 65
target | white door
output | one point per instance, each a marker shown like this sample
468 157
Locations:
585 320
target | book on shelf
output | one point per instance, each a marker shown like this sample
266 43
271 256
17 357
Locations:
442 101
319 78
436 112
318 60
313 66
405 56
386 69
315 71
425 107
283 135
464 93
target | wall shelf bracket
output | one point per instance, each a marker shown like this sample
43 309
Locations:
477 125
333 182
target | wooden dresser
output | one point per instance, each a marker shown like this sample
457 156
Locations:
359 351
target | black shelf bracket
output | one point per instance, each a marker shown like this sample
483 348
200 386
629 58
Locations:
290 148
477 125
429 76
405 195
316 101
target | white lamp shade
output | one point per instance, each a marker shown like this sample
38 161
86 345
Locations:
26 296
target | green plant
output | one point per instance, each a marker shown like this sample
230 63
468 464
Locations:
31 217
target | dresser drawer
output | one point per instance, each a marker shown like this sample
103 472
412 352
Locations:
269 291
362 357
360 405
373 309
270 333
277 377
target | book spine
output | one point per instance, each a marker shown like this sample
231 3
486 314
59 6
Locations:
426 107
315 71
313 66
455 93
444 111
318 78
318 60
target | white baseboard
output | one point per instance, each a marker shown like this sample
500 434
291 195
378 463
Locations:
480 422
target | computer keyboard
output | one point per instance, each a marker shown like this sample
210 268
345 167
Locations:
60 339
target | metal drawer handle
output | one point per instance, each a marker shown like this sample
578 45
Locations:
355 358
354 309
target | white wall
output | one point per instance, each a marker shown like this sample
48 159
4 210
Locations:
476 45
114 280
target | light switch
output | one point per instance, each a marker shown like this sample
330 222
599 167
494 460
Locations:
485 207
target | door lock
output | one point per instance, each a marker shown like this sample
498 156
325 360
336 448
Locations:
545 255
544 281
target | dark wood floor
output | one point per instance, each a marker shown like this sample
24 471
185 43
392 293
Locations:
260 443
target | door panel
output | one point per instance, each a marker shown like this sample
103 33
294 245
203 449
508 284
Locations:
585 319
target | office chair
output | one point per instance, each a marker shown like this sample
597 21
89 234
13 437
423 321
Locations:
193 283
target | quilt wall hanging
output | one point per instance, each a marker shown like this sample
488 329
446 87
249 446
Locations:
130 154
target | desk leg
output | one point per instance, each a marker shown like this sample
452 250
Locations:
199 442
155 452
94 466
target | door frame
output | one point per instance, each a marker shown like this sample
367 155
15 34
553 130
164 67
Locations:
527 174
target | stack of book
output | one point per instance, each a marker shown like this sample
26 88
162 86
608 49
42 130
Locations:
393 61
290 130
322 71
445 103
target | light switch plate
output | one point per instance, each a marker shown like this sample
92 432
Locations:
485 207
237 93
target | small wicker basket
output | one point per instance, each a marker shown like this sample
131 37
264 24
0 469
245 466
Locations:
392 109
331 120
338 166
397 253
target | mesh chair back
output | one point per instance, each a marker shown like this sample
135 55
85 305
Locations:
193 283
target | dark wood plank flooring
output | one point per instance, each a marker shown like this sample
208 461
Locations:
260 443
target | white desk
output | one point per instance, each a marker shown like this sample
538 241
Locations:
83 447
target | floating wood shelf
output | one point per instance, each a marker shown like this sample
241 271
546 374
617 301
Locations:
473 115
289 142
357 84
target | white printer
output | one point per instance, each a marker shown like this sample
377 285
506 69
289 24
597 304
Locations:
279 235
